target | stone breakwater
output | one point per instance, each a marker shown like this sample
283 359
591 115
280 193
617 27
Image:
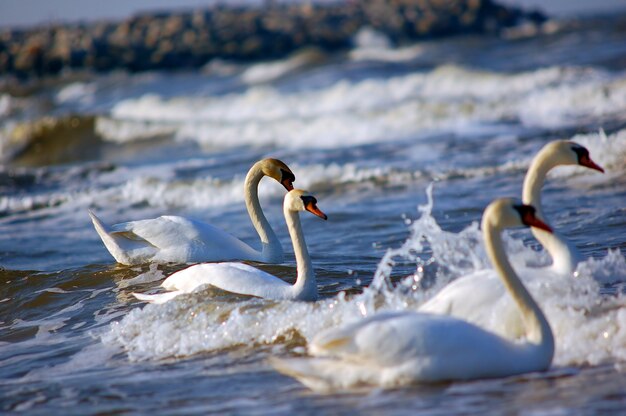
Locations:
190 39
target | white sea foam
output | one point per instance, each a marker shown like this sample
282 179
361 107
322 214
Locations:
269 71
403 54
77 92
122 131
348 113
590 328
372 45
5 105
368 37
158 186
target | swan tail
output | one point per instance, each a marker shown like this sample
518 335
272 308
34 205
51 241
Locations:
119 246
322 375
158 298
303 370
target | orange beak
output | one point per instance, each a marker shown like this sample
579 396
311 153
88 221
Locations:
587 162
313 209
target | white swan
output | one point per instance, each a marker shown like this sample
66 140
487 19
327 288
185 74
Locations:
396 348
181 240
565 256
480 298
246 280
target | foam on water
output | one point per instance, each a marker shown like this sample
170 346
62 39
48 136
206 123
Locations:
159 186
589 327
269 71
372 110
371 45
77 92
6 102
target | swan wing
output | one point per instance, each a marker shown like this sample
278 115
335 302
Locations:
232 277
401 347
179 239
481 299
470 297
391 338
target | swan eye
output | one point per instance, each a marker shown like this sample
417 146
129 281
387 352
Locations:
308 200
310 204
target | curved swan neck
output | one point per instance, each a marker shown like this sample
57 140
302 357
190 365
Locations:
534 180
305 282
272 250
537 328
565 257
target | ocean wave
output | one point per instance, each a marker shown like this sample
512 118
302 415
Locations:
589 327
50 134
83 93
159 185
446 99
372 45
270 71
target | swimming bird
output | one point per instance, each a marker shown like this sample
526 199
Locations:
182 240
565 255
246 280
480 298
398 348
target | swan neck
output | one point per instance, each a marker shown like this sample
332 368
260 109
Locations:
565 256
534 180
305 282
537 328
271 248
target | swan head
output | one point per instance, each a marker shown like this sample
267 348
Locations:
299 200
278 170
509 213
565 152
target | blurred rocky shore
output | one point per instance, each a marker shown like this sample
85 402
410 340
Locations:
175 40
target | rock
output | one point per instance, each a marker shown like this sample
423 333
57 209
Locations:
177 40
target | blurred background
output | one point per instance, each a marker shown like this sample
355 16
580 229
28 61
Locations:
30 12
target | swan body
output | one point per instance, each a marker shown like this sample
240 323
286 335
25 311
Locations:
181 240
246 280
480 298
397 348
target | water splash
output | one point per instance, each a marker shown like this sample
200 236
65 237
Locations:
590 327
